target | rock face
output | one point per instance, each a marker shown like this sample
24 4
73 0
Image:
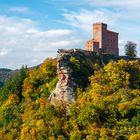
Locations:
64 90
69 78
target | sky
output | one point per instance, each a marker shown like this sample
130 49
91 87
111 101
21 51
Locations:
33 30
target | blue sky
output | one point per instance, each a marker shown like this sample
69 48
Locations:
32 30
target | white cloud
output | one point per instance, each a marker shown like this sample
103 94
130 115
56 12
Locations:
130 4
3 52
84 18
21 42
19 9
117 3
121 47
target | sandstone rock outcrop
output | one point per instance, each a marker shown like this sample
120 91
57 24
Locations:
64 90
68 77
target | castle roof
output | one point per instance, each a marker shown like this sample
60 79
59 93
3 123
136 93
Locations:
112 32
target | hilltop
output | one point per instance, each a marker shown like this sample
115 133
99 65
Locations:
79 95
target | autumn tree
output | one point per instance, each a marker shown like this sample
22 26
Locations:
14 84
40 81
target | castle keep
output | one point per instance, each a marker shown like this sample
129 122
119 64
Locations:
104 41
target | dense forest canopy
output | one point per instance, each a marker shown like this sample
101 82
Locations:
4 74
108 109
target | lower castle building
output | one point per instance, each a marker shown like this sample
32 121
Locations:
104 41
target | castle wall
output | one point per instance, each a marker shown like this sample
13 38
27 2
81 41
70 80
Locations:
89 45
99 33
112 43
103 39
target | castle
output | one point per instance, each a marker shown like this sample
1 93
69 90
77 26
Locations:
104 41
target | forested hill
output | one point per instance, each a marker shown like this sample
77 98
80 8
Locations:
4 74
106 105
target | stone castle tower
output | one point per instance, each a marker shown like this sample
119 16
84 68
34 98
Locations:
104 41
